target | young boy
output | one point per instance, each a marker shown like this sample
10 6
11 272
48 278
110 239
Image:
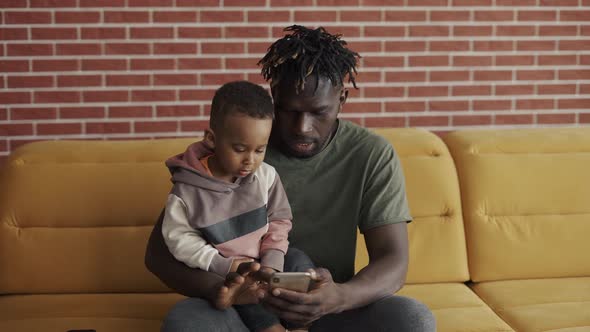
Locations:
226 206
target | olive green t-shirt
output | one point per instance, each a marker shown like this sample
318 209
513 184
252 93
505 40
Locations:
356 181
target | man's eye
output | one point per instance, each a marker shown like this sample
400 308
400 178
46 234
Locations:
239 149
259 151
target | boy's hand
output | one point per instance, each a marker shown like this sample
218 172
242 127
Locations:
264 274
239 287
236 263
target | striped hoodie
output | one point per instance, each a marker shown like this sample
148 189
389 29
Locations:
209 222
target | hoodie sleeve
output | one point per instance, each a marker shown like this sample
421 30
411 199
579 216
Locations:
187 244
275 242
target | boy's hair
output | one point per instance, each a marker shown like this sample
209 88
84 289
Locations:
306 51
240 97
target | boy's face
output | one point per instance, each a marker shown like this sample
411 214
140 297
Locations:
305 122
239 146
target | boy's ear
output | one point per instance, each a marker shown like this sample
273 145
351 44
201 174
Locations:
209 138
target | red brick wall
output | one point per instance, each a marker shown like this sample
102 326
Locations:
120 69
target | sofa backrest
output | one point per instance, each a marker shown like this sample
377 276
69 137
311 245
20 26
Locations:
76 216
436 235
526 201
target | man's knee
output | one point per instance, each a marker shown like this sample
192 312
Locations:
408 314
195 314
297 261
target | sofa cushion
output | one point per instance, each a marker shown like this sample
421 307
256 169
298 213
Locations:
560 304
437 240
76 216
525 201
456 308
101 312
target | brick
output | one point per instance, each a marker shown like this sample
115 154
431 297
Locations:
585 118
53 33
557 89
175 79
462 61
574 15
360 16
560 3
104 64
152 64
175 17
250 32
153 95
57 96
449 15
29 49
14 4
155 127
428 91
17 143
14 34
197 94
515 30
78 49
3 148
223 48
199 63
127 48
493 15
446 75
428 61
222 16
52 3
471 120
428 3
574 45
367 76
79 80
268 16
151 33
573 74
556 118
255 78
55 65
3 114
385 122
105 96
150 3
382 91
529 75
15 98
130 112
493 45
405 106
194 125
177 110
534 45
443 46
175 48
384 31
492 75
126 17
429 31
550 60
103 33
471 90
582 103
362 107
405 46
405 16
507 119
16 129
217 79
585 31
35 17
199 32
71 17
383 61
59 128
108 127
516 3
128 80
241 63
30 81
33 113
290 3
197 3
535 104
102 3
515 60
405 76
536 15
505 90
81 112
365 46
491 105
470 31
563 30
427 121
453 105
338 2
315 16
584 59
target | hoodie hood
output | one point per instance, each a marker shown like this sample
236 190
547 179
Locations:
187 168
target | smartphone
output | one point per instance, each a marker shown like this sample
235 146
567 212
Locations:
296 281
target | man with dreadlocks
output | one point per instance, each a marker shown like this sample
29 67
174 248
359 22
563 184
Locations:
339 177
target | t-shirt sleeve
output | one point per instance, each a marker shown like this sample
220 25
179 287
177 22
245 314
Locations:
384 198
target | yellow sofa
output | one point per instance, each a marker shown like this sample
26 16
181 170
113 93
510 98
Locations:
499 240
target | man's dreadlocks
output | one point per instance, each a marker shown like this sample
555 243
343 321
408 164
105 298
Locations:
307 51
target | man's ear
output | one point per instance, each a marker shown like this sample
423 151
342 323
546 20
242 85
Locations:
209 138
343 97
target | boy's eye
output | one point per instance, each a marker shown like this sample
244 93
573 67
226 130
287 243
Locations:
238 149
259 151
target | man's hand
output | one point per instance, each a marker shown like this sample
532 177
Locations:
239 287
325 297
